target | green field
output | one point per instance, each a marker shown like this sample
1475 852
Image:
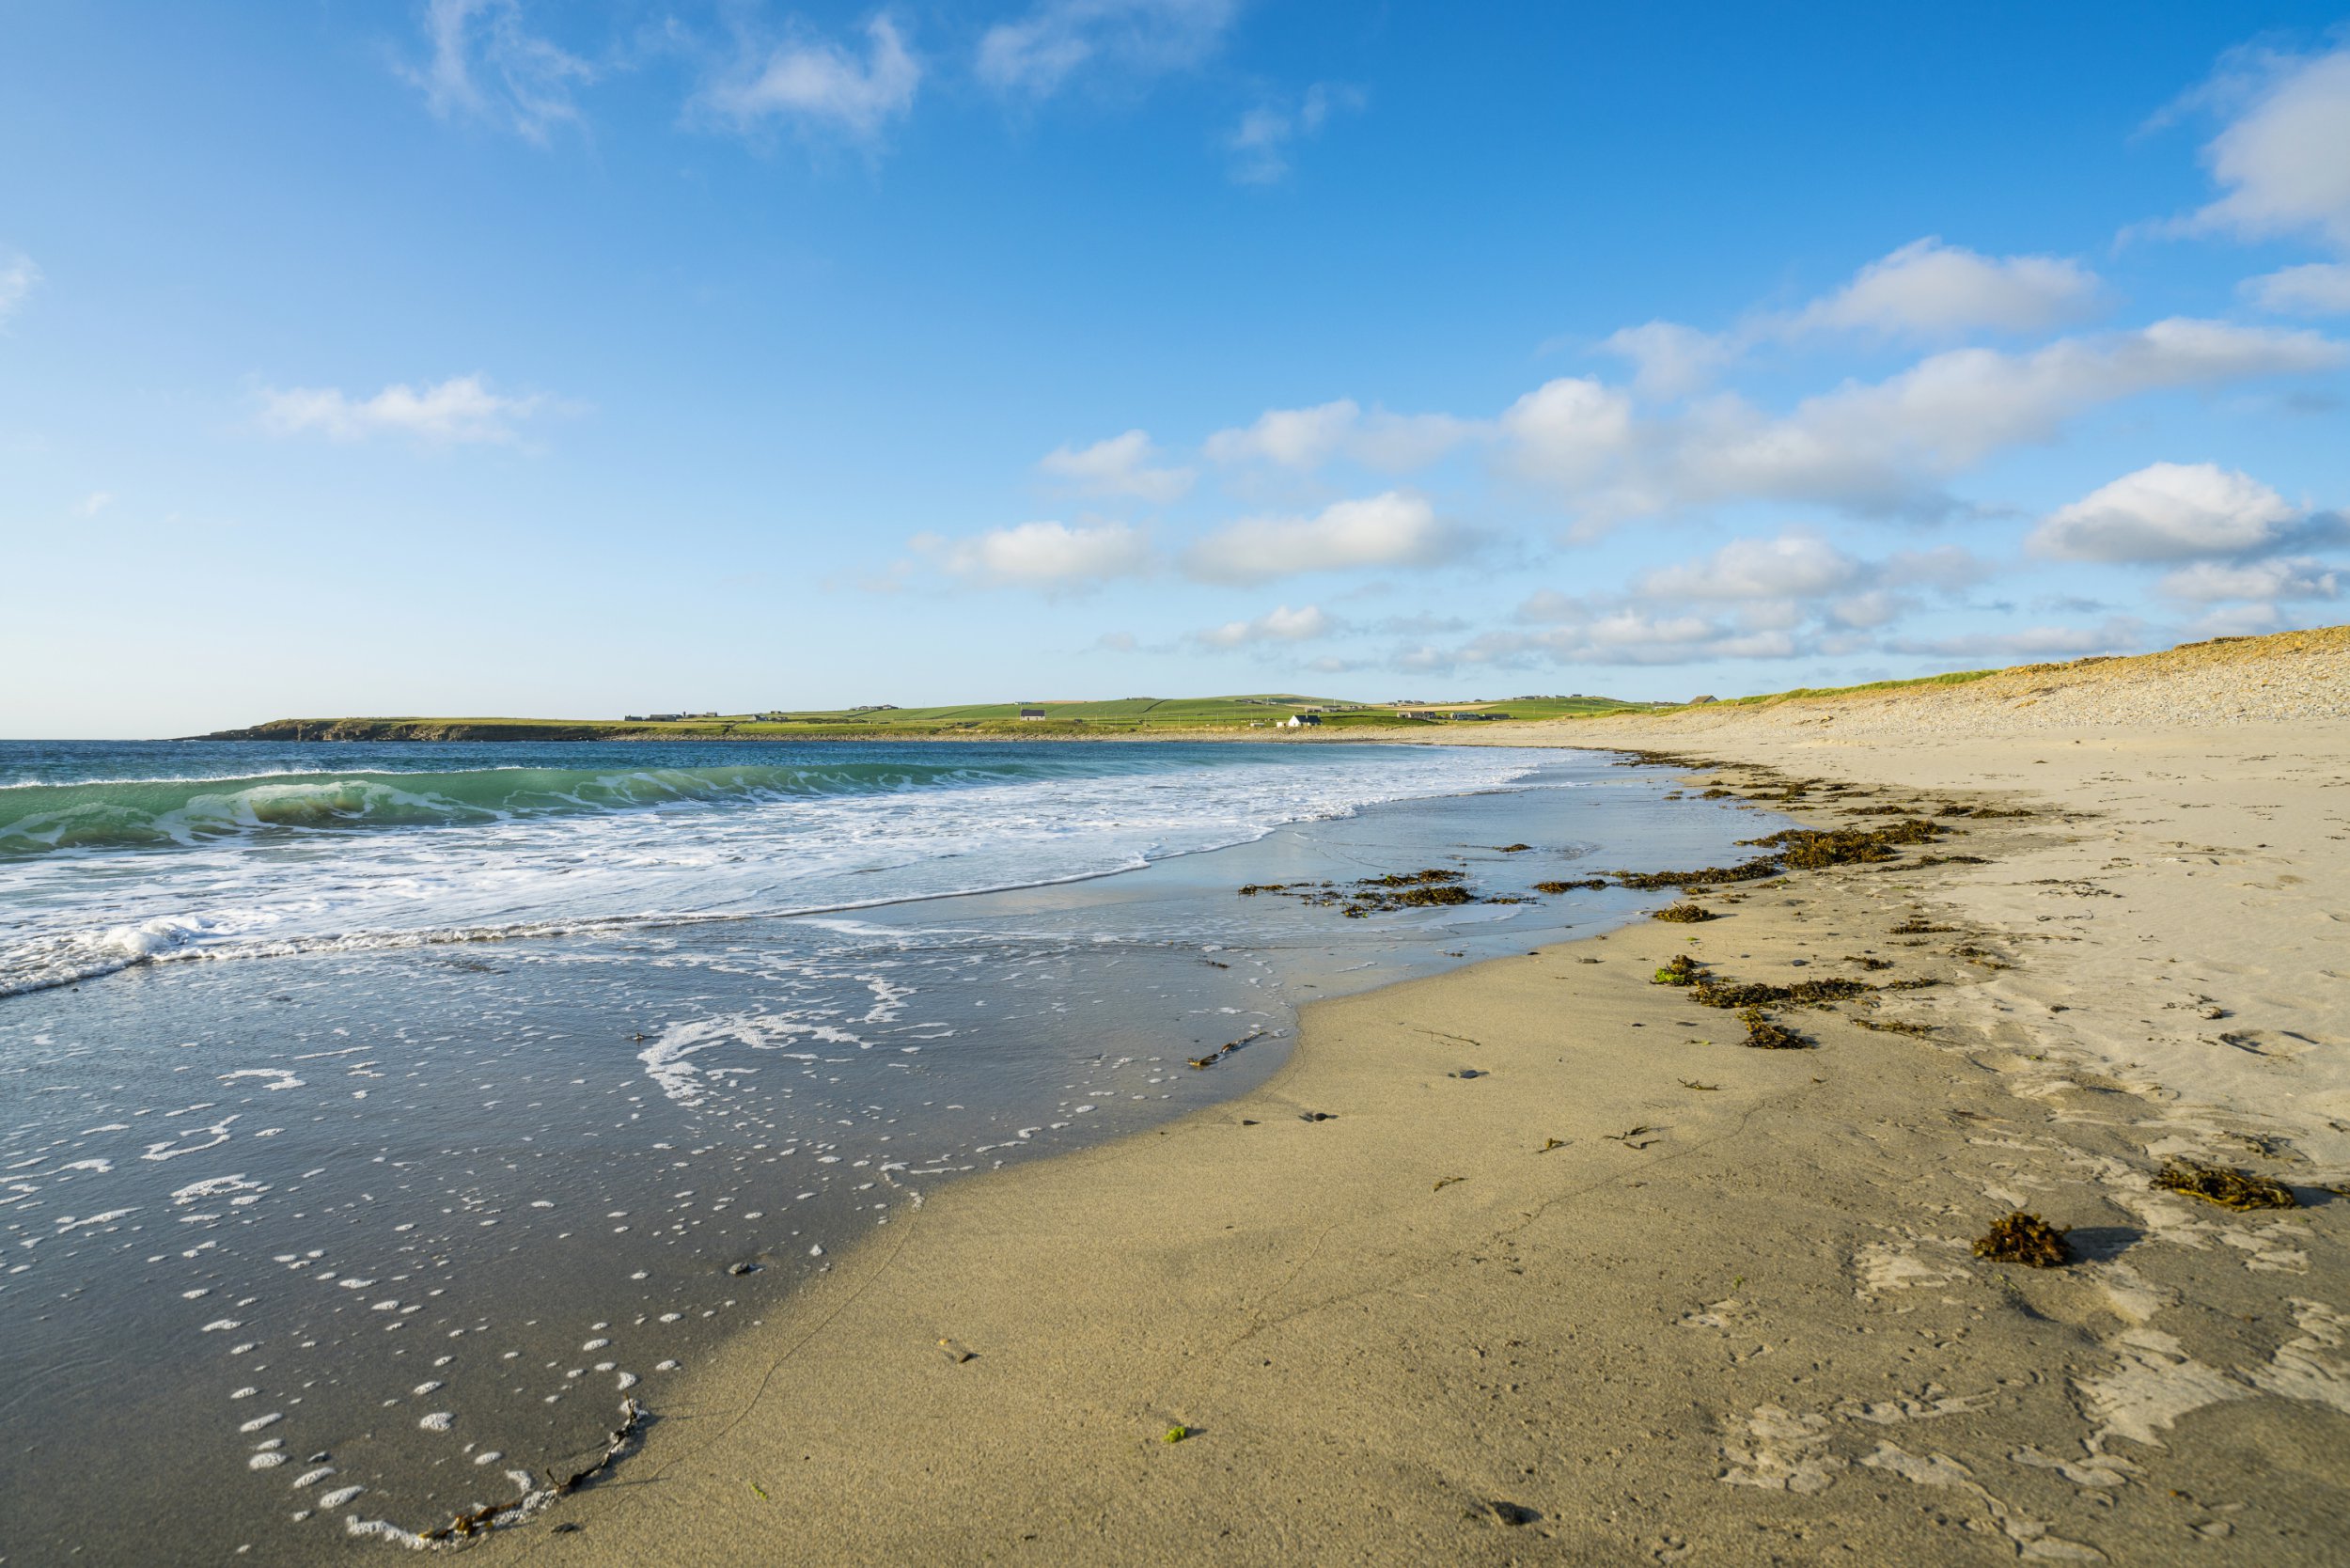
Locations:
1133 715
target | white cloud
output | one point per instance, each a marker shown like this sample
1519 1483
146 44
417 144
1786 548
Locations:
1292 437
2119 634
1670 360
1305 438
2167 512
1801 566
818 84
1395 528
2282 160
1042 52
1568 432
1118 466
94 503
459 411
487 64
18 278
1930 289
2313 288
2300 577
1279 624
1043 555
1881 446
1259 144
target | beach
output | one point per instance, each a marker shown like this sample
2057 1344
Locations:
1533 1262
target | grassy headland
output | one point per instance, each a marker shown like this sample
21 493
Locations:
1124 716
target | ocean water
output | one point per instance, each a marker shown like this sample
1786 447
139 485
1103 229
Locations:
374 1120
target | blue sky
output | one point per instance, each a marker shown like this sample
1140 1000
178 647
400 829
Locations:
501 356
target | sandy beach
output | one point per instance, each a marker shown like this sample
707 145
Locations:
1533 1262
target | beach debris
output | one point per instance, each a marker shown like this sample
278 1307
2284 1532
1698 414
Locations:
1680 969
1444 1182
1175 1433
1468 1073
1764 1034
2026 1239
1495 1511
1692 1083
1684 914
1550 1143
758 1491
1202 1063
1317 1116
1806 849
2224 1185
738 1269
1637 1138
1810 993
957 1352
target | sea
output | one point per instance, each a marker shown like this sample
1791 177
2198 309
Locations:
385 1125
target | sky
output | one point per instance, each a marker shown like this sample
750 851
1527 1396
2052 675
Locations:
525 358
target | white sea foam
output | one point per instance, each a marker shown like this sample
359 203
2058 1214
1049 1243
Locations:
495 874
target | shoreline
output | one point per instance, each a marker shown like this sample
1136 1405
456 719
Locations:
1414 1333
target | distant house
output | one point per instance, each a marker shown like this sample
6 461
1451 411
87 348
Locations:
1301 721
1700 701
1031 712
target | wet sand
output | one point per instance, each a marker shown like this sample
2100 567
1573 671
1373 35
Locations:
1571 1275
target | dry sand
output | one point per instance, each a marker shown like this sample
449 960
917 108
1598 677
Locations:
1571 1275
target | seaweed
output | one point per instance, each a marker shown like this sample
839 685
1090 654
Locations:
1684 914
1511 849
1812 849
1810 993
1747 870
2026 1239
2228 1188
1680 969
1596 882
1919 928
1764 1034
1869 963
1716 794
1411 879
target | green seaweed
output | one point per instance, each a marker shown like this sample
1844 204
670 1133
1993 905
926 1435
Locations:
1680 969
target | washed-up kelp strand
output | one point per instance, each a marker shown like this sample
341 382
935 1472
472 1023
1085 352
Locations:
2228 1188
1764 1033
1812 992
1684 914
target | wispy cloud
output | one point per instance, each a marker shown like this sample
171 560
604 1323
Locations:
1278 624
1262 142
1045 555
488 64
18 276
461 411
2280 160
1061 41
1119 466
821 85
1395 528
2312 289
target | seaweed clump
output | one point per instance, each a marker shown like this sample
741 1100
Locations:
1594 883
1811 849
1680 969
1684 914
1746 870
1764 1033
2026 1239
1810 993
2228 1188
